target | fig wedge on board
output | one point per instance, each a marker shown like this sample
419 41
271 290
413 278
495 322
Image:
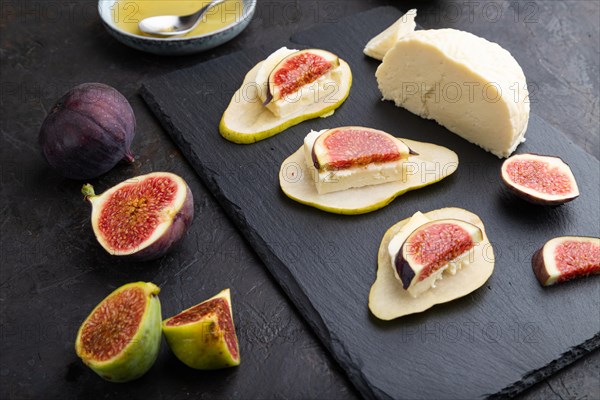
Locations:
544 180
564 258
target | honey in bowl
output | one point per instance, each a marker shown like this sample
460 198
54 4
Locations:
127 14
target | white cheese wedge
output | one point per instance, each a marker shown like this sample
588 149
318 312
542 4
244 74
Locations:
382 43
355 177
473 87
325 86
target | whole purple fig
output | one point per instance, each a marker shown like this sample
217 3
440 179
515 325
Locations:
88 131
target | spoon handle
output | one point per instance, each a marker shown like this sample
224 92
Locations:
197 16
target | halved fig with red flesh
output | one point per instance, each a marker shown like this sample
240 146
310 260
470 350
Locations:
299 69
433 248
565 258
348 147
120 339
544 180
143 217
203 336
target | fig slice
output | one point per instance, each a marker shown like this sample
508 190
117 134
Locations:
246 120
544 180
389 300
432 164
203 336
297 70
564 258
121 337
431 249
142 218
351 146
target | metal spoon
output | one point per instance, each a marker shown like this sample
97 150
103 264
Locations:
173 25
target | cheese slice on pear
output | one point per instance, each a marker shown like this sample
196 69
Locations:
298 177
389 300
246 120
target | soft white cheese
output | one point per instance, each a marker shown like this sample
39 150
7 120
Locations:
355 177
382 43
395 246
473 87
325 86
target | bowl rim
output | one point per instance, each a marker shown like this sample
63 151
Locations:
247 13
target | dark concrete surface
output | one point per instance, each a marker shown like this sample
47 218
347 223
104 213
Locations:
52 271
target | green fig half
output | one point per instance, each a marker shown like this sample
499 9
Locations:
120 339
203 336
246 120
431 164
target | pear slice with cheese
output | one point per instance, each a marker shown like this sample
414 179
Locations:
472 86
251 116
298 179
382 43
388 299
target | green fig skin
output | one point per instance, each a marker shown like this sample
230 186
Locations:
141 352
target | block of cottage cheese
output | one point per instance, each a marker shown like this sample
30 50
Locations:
470 85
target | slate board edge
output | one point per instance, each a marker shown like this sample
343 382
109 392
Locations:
295 292
539 375
287 283
300 299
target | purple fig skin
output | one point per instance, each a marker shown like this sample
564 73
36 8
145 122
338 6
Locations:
173 235
315 160
88 131
405 272
539 201
538 265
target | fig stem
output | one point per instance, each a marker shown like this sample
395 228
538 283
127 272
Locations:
88 191
129 158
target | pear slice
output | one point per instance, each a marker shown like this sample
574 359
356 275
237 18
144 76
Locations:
247 121
432 164
388 299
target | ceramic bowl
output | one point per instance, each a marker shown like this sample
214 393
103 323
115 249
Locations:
175 46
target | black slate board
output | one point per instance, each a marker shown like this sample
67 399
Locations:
499 340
